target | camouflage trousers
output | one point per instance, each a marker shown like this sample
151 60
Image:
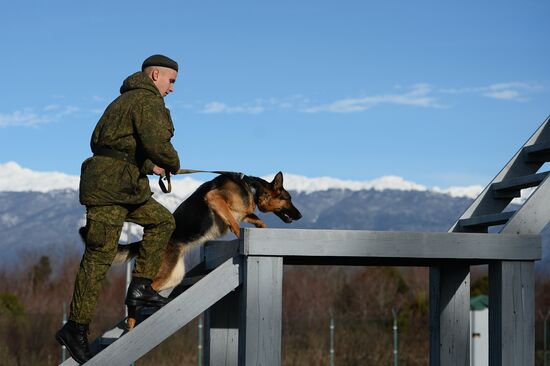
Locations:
103 226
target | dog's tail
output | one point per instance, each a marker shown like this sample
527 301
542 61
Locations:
124 252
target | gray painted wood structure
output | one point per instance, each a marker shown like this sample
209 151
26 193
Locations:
243 323
512 293
242 295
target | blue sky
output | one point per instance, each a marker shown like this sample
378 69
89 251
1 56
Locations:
439 93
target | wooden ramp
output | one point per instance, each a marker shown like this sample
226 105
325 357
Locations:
170 318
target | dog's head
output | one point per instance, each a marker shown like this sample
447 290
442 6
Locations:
274 198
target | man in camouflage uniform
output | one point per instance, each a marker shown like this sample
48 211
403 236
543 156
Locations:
131 140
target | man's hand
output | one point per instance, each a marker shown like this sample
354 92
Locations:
164 175
158 170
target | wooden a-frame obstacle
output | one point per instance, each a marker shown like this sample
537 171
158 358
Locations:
241 294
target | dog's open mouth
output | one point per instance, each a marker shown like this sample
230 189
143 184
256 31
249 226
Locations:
286 216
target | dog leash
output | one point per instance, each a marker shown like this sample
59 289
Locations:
188 171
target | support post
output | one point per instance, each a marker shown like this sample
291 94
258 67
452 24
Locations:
221 331
450 315
260 312
511 313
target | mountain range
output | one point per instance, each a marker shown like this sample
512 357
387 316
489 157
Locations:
42 214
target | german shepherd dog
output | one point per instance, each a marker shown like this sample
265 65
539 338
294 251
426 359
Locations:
214 208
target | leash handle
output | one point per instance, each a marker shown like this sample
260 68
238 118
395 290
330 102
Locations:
188 171
163 188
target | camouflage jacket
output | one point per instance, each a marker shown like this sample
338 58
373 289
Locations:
138 124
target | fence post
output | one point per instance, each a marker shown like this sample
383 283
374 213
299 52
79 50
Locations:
395 339
199 356
331 332
545 339
63 350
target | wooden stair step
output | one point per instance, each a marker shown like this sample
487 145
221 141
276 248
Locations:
487 220
512 187
537 153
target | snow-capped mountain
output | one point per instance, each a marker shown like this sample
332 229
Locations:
40 213
14 178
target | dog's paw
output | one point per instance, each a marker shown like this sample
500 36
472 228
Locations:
260 225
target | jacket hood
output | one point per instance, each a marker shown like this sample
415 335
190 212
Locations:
139 80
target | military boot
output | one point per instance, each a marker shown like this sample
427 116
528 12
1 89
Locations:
74 337
140 293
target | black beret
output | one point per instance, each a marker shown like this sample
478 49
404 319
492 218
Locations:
159 60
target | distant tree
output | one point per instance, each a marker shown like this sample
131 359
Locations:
347 300
41 272
480 287
10 305
395 276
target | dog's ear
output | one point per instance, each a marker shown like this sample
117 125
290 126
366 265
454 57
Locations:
277 182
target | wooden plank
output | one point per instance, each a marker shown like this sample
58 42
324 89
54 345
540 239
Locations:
218 251
383 244
260 313
450 315
487 220
542 147
541 157
221 331
213 254
376 261
69 362
511 314
171 317
522 182
534 215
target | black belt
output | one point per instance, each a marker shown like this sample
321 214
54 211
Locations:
115 154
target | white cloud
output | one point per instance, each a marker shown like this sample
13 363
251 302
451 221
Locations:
419 95
510 91
259 105
21 118
27 117
217 107
504 94
52 107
